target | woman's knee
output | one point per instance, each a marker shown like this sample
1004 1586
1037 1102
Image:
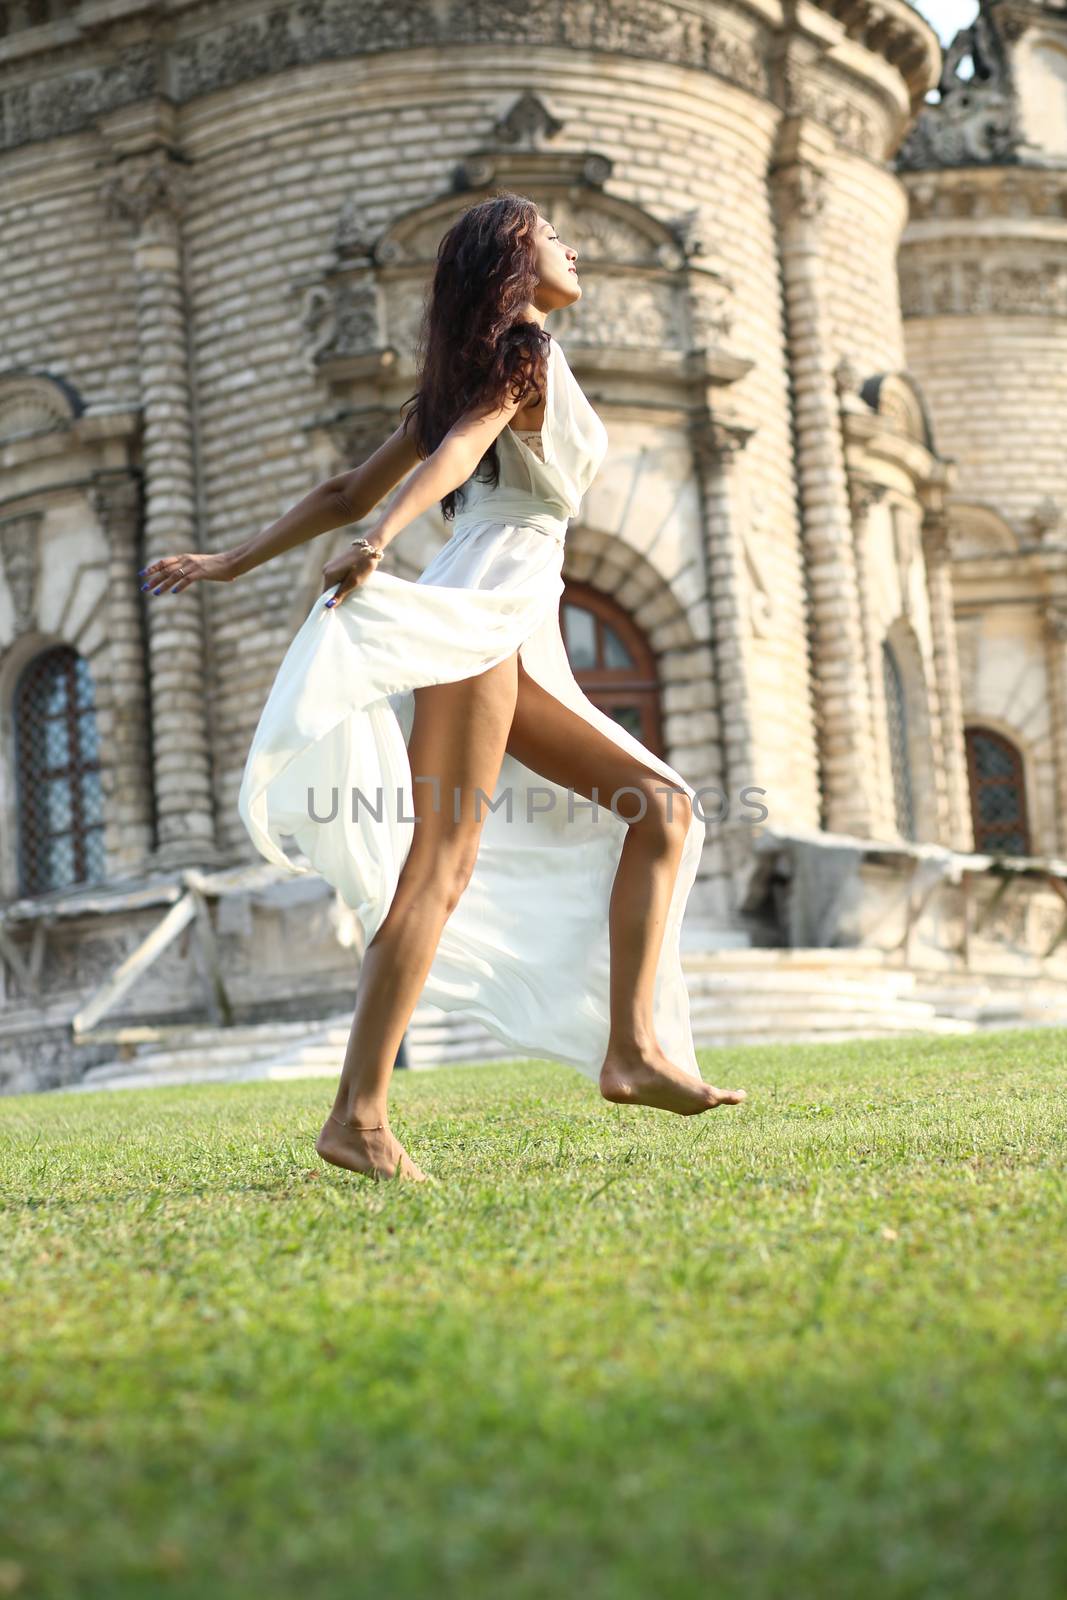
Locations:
441 873
661 812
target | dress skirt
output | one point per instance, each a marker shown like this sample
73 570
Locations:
525 952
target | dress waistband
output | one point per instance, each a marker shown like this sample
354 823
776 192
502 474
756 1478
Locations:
519 508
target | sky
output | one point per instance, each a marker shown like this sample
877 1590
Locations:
946 17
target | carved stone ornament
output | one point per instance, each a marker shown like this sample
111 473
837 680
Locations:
213 46
647 284
998 284
32 403
936 538
863 494
115 501
848 378
146 188
975 119
340 317
1056 620
355 435
718 440
529 123
800 188
19 556
1046 519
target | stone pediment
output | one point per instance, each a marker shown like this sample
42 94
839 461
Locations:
36 403
649 284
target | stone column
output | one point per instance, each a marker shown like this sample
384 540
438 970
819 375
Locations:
957 823
842 689
863 495
1055 617
717 445
116 502
147 192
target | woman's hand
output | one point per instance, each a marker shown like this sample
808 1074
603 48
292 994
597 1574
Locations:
172 574
348 570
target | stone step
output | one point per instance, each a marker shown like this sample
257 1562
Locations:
814 1021
736 989
772 959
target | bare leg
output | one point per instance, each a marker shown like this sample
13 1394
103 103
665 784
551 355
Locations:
458 736
555 742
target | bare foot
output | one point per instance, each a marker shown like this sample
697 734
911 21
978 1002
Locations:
649 1079
375 1152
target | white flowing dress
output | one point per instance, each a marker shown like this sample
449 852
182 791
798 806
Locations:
525 952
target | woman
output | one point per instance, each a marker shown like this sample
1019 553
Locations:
510 851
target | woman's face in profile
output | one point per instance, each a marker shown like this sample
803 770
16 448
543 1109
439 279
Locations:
556 268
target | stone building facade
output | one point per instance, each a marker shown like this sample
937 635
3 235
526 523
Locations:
827 538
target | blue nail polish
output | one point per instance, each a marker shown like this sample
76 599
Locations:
144 586
159 590
329 602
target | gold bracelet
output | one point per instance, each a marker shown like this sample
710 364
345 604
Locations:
371 549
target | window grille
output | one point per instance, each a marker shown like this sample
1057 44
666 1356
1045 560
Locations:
899 751
612 662
57 763
998 793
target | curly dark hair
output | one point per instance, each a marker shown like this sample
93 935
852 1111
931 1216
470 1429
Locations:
473 347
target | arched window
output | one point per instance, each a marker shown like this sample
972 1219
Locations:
998 793
57 766
612 662
899 753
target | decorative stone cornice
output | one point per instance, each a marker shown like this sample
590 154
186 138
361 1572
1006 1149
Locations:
958 196
979 278
95 60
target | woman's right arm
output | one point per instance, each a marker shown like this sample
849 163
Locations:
334 503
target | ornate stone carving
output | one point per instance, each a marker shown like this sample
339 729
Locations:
356 434
233 50
19 556
718 440
32 404
529 122
897 398
975 119
146 187
992 285
115 501
848 377
340 317
801 191
863 494
936 538
1056 620
1045 520
979 192
65 102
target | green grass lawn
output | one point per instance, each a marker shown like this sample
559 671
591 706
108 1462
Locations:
809 1347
